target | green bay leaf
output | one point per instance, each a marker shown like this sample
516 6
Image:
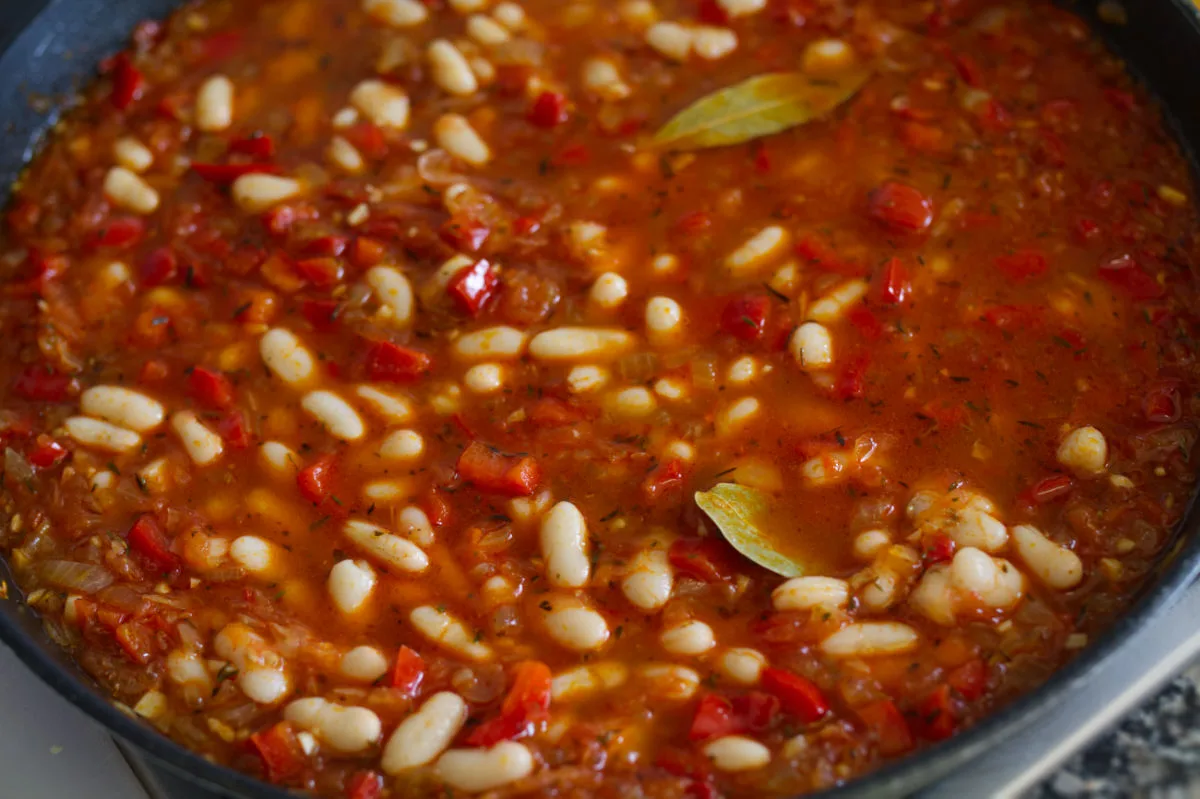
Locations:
757 107
741 514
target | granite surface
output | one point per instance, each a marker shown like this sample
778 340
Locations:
1153 754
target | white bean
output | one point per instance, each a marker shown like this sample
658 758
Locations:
1084 451
345 155
741 8
336 415
510 15
450 69
580 343
415 525
757 251
650 579
484 378
580 681
609 291
351 583
214 104
806 593
669 681
279 457
383 103
402 445
711 43
739 414
478 770
866 638
455 135
1052 563
737 753
203 445
585 379
344 728
670 39
122 406
425 734
742 665
834 305
690 638
397 13
364 664
577 628
126 190
498 343
389 406
258 192
188 668
286 356
132 154
263 685
486 30
602 78
812 346
564 540
389 548
664 319
442 628
975 528
255 555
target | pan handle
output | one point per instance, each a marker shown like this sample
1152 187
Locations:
1149 659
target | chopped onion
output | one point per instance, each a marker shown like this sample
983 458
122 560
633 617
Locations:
85 577
16 467
435 168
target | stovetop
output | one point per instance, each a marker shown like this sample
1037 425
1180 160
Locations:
50 750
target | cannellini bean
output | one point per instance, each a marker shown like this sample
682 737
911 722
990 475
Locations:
711 43
484 378
344 728
867 638
279 457
152 705
486 30
664 319
397 13
825 469
741 8
336 415
455 135
387 547
351 583
500 343
286 356
743 370
443 628
101 435
383 103
869 542
510 15
255 555
564 540
450 69
203 445
650 579
121 406
1052 563
577 628
425 734
739 414
394 291
260 668
805 593
668 681
631 403
389 406
836 303
257 192
601 77
583 680
126 190
478 770
690 638
825 56
812 346
933 597
402 445
132 154
758 251
609 291
188 668
1084 451
214 104
737 753
975 528
580 343
345 155
742 665
994 581
585 379
670 39
364 664
262 685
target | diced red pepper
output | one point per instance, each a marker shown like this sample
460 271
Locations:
705 559
136 640
969 680
526 225
437 508
323 273
1124 272
937 549
1049 489
127 80
325 247
1162 403
745 317
665 478
549 110
495 472
935 715
710 12
316 480
493 731
472 287
42 384
755 712
364 785
887 726
210 389
282 756
224 174
148 540
259 145
367 252
852 379
799 696
900 208
220 46
526 704
1021 265
409 671
119 232
391 363
368 139
894 287
233 429
553 412
464 233
46 452
866 322
713 719
321 314
158 267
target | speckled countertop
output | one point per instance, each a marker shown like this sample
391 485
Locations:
1153 754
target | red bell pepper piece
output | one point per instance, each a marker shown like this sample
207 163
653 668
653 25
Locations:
549 110
282 756
894 287
324 273
526 704
128 83
969 680
408 672
119 232
158 267
935 715
799 696
1162 403
148 540
46 452
900 208
316 480
258 145
210 389
233 429
391 363
136 640
713 719
705 559
1126 274
887 726
321 314
364 785
42 384
745 318
494 472
472 287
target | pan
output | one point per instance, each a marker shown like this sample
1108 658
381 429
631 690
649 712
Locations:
49 48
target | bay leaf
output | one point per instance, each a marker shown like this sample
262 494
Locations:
757 107
742 514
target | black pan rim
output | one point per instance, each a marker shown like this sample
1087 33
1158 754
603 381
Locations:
1179 567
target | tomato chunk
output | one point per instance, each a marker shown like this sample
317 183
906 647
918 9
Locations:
119 233
128 83
494 472
259 145
47 453
364 785
526 704
316 480
713 719
1162 403
1126 274
472 287
391 363
549 110
745 317
282 756
706 559
210 389
887 726
408 672
894 286
42 384
900 208
799 696
935 715
158 267
969 680
148 540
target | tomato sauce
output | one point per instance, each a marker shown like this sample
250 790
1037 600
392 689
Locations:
363 360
